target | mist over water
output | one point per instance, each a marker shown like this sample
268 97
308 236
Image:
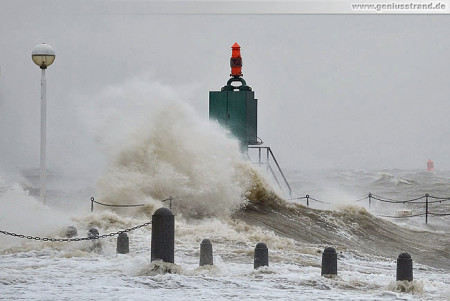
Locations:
22 213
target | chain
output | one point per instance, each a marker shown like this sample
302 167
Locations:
73 239
132 205
362 199
413 215
170 198
319 201
439 198
112 205
439 214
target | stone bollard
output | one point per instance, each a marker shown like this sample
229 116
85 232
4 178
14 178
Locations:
261 255
163 235
71 231
96 244
93 233
404 267
329 262
206 253
123 244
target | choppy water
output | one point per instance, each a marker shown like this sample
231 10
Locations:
222 197
367 246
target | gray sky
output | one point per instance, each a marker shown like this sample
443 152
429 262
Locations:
335 91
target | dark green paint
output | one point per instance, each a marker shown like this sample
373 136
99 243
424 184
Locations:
236 111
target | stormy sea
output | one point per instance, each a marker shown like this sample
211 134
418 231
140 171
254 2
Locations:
217 193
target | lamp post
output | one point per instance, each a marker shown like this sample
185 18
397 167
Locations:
43 55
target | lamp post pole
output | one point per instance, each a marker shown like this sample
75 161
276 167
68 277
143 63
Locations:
43 55
43 176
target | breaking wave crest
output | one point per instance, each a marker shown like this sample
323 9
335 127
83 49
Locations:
387 178
174 153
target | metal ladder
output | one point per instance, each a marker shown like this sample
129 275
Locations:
269 154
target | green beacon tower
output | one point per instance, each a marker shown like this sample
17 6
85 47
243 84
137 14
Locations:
235 107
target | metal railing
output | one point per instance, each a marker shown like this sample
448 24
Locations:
269 154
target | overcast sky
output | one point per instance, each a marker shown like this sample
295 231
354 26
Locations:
334 91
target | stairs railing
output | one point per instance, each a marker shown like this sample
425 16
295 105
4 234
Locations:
268 156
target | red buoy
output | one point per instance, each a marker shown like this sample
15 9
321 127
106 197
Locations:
430 165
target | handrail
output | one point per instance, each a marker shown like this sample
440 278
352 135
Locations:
281 172
269 154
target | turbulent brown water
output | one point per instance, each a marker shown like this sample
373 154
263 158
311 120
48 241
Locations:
352 228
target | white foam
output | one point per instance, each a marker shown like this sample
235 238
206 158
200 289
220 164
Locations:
23 214
175 153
